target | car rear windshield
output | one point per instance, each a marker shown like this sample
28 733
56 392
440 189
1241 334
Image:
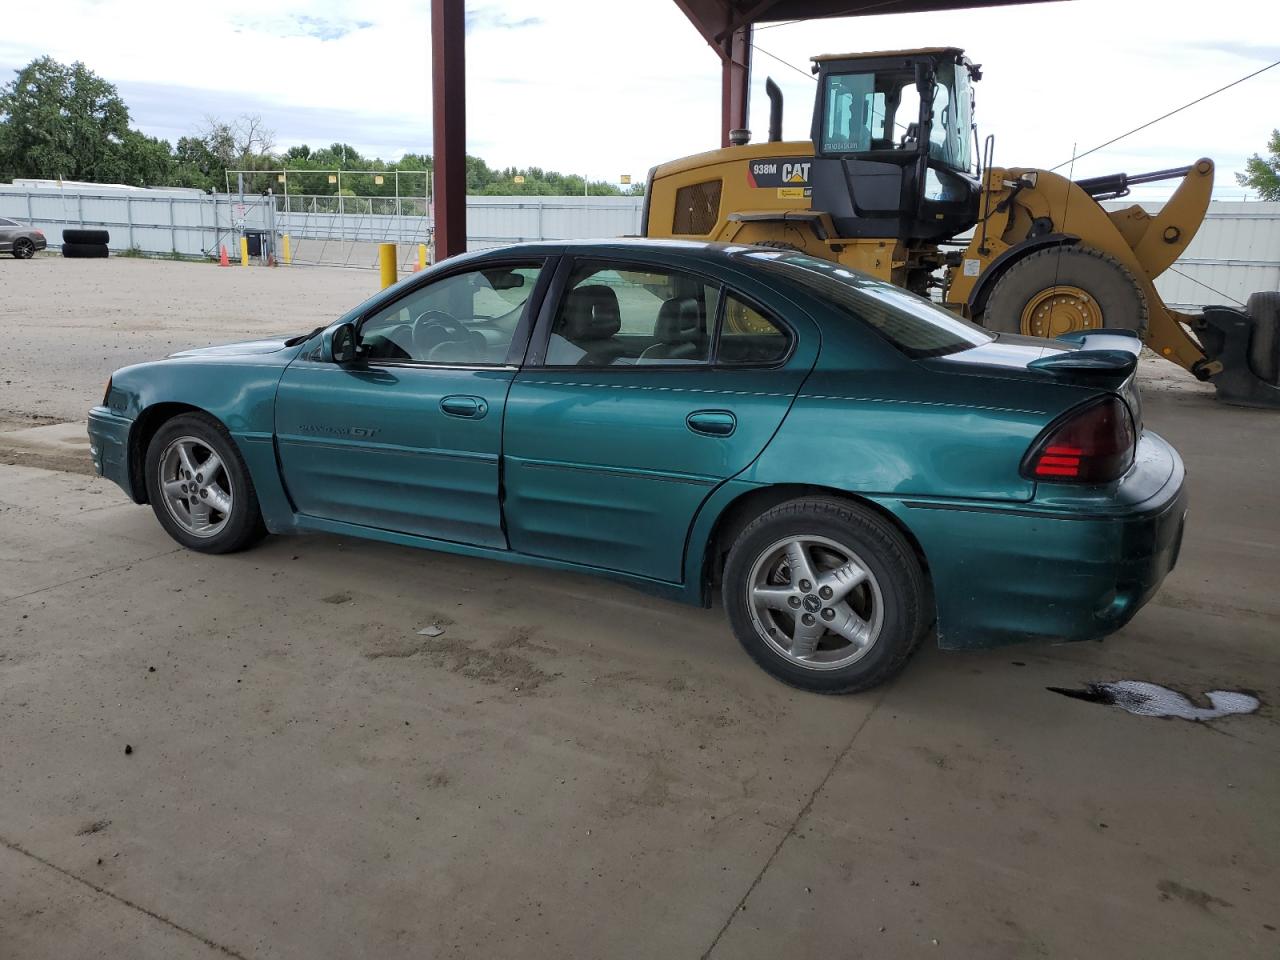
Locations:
916 326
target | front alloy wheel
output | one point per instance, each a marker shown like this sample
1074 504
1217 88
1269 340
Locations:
198 492
199 486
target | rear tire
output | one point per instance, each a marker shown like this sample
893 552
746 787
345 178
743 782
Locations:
23 249
1264 343
205 506
851 621
1116 300
86 236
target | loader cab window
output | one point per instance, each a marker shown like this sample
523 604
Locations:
951 126
880 111
870 111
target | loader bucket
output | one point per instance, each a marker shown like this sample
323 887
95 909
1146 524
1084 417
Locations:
1231 337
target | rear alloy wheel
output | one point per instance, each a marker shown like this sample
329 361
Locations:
825 595
200 488
1064 289
23 249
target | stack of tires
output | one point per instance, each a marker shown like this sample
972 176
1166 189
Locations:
85 244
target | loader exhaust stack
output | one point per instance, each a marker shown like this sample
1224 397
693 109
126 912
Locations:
775 110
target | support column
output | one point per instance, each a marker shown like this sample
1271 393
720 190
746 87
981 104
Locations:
735 80
449 126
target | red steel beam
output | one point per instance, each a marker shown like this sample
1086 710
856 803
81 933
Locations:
449 126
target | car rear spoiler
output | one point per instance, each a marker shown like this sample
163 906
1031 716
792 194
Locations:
1106 353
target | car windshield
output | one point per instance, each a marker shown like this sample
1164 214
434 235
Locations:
916 326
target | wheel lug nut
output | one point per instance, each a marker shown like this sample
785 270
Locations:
828 613
825 593
794 601
199 478
808 620
805 585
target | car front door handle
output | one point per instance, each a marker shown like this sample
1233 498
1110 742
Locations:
712 423
468 408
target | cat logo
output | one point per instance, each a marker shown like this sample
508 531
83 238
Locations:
797 173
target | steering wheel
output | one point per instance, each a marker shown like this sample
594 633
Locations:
438 318
434 327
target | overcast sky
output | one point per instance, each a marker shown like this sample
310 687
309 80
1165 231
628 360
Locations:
610 88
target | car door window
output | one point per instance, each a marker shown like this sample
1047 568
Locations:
620 315
747 336
464 319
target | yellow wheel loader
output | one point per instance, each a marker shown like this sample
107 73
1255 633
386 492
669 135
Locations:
885 185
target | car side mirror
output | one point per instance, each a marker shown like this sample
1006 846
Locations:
339 344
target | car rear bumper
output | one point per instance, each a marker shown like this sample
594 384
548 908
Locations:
1006 574
109 446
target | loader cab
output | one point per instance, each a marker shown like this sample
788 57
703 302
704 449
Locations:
893 144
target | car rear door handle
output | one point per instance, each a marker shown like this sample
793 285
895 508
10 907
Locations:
469 408
712 423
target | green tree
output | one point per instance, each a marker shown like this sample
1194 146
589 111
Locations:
60 121
145 161
1263 173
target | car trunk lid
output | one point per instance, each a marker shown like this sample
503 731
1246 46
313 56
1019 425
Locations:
1106 359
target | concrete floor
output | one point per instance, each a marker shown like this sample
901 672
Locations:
574 769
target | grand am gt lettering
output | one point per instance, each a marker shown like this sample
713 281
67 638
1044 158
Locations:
850 467
354 432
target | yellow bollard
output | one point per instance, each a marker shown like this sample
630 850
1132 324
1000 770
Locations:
387 260
288 252
422 256
244 251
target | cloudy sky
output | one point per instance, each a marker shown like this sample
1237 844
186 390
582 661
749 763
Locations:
610 88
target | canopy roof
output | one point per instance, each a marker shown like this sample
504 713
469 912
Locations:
717 19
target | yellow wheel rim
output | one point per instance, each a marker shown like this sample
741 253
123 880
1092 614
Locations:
1060 309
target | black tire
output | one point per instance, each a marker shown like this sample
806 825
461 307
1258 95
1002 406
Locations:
1264 342
1110 284
86 236
903 592
243 523
23 249
85 251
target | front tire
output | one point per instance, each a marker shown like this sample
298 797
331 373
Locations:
1065 289
199 486
826 595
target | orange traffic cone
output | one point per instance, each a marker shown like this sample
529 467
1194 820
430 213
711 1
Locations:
222 258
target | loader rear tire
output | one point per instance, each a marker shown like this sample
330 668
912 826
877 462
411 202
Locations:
1264 344
1112 297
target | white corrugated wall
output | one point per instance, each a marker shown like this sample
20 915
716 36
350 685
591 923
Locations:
1235 253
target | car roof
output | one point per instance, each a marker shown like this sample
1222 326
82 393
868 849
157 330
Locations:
701 249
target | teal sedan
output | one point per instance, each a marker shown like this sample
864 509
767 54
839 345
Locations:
849 467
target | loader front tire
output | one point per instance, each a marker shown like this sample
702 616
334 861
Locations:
1064 289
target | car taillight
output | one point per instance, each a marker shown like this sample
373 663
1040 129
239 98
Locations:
1091 444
